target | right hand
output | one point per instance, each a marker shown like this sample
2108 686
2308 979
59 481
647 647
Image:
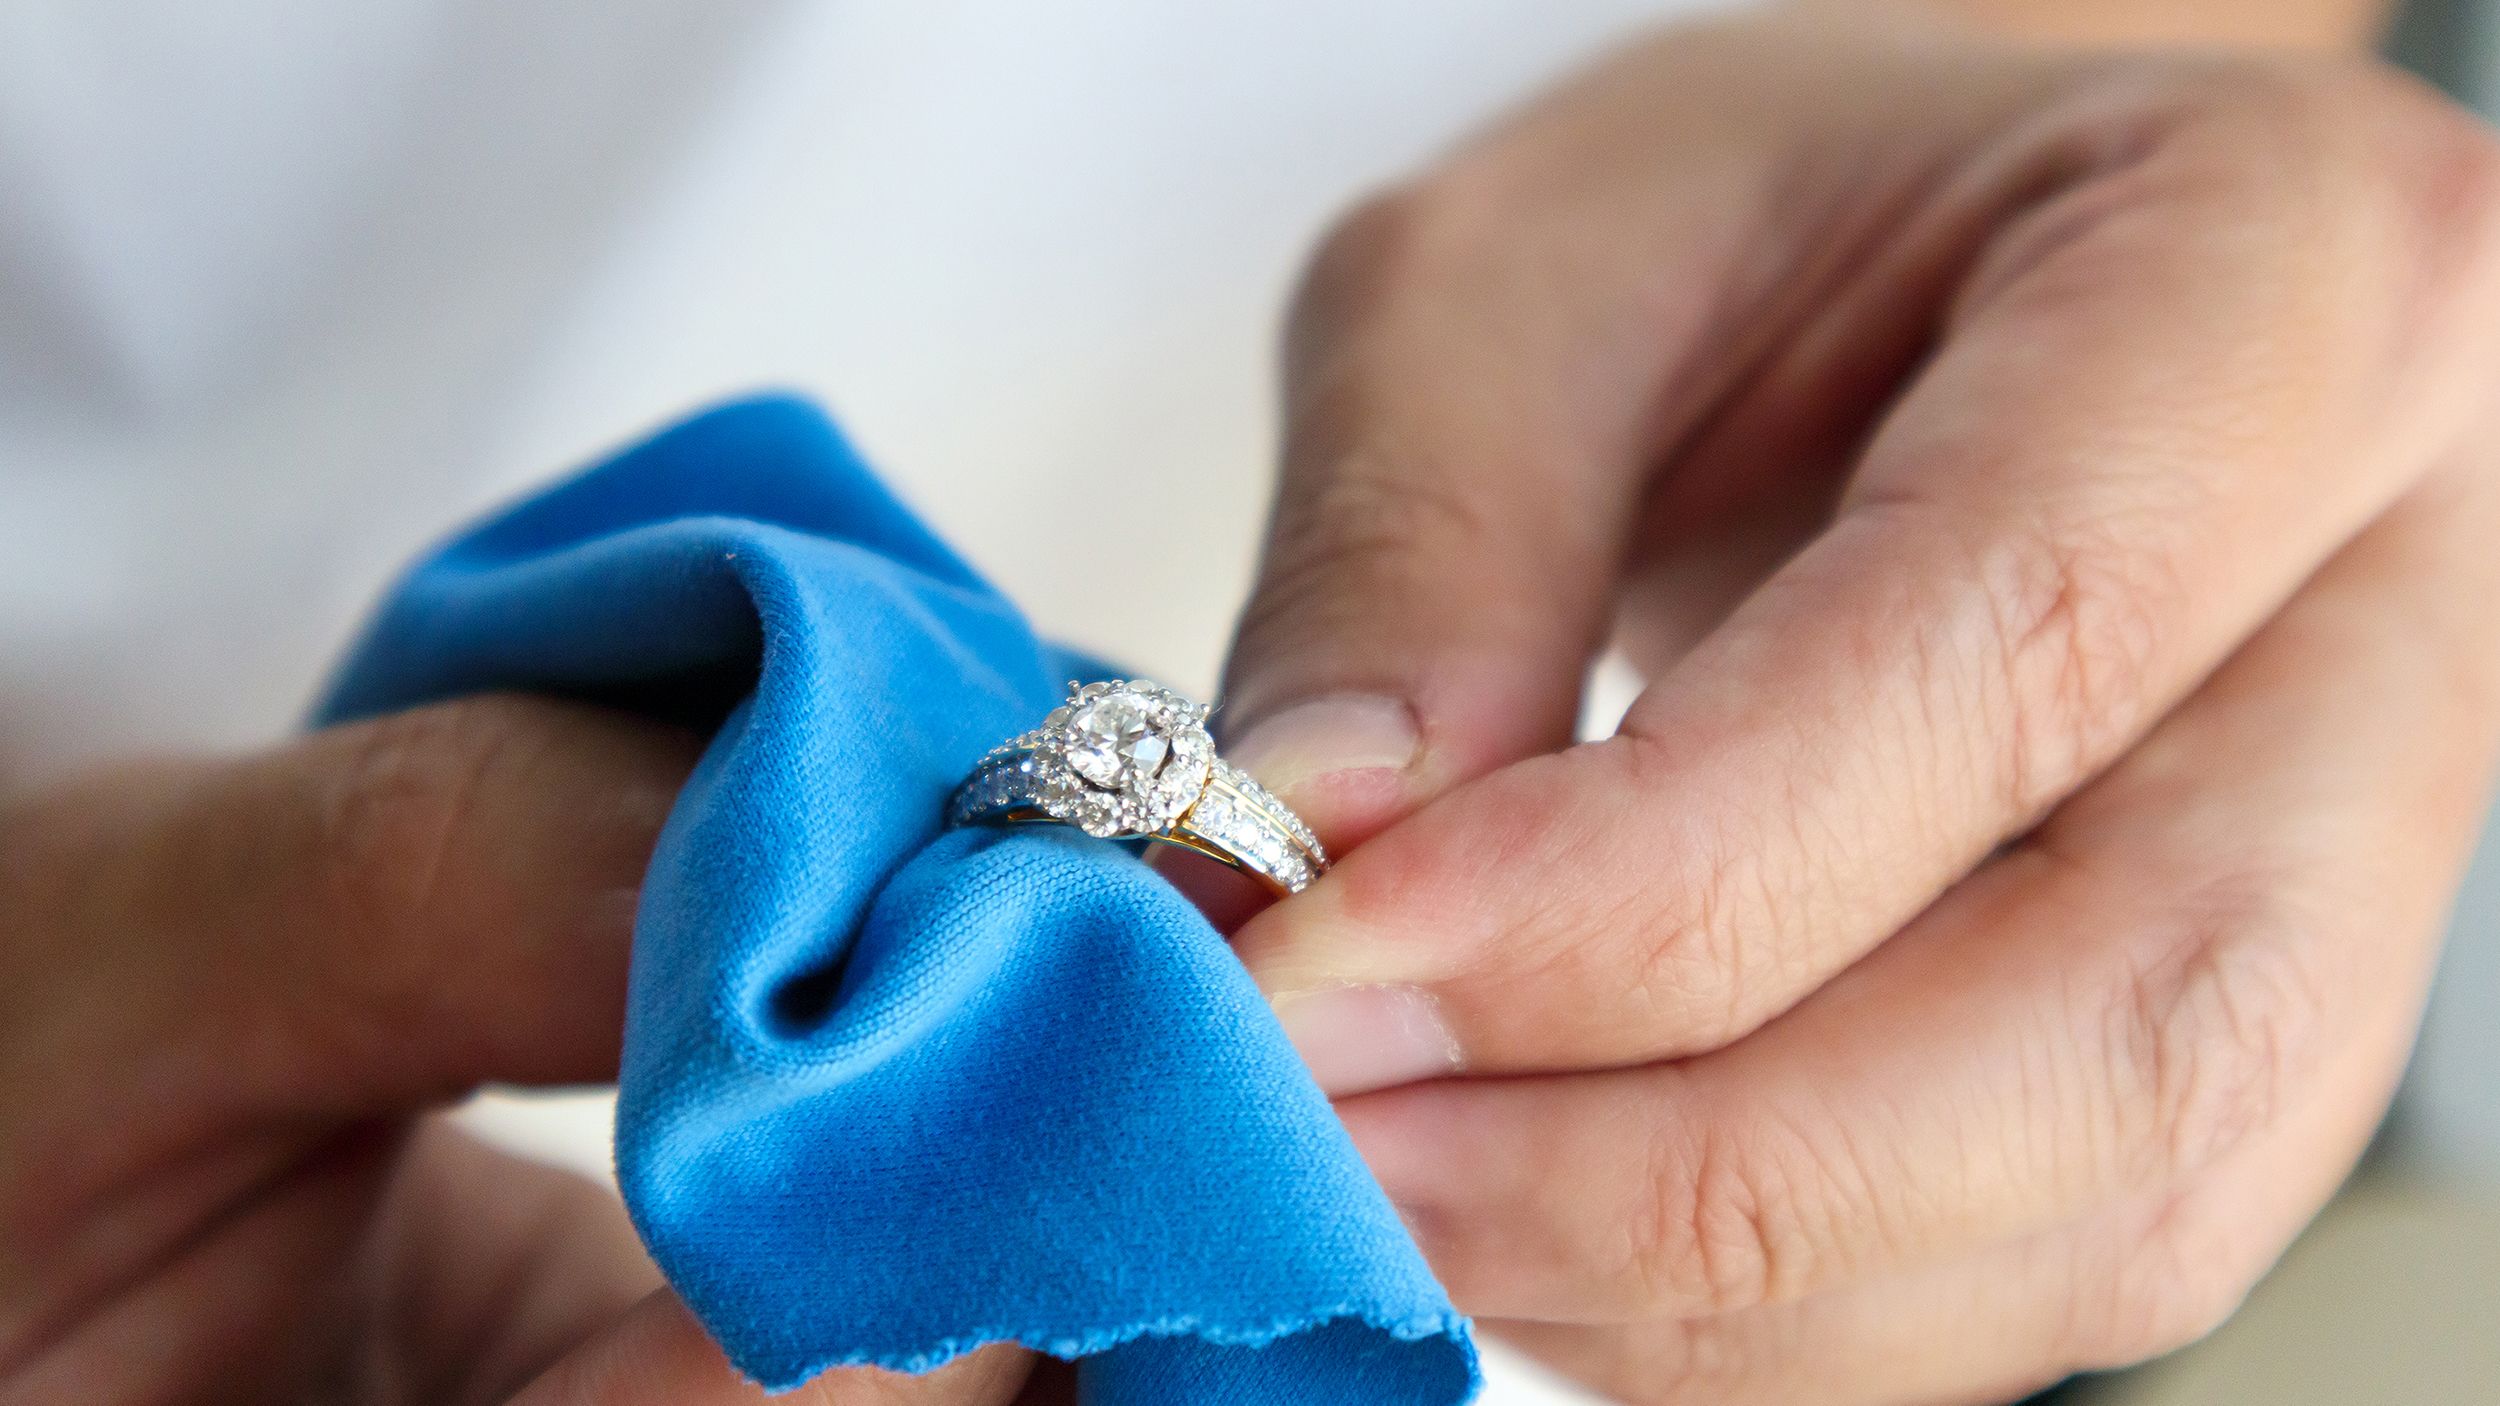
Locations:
2049 495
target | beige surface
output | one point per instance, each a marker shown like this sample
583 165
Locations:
2391 1299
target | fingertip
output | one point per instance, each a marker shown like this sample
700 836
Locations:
1359 1019
1356 1039
1295 947
1347 763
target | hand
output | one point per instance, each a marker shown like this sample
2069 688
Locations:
229 991
2050 497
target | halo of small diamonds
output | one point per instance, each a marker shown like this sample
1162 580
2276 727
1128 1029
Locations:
1122 757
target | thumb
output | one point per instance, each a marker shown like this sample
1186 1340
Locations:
1447 525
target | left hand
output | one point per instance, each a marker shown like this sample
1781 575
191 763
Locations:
2052 498
231 992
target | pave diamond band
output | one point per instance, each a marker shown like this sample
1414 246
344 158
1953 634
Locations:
1234 819
1133 759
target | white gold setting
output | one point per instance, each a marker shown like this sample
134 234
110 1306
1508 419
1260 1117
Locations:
1130 759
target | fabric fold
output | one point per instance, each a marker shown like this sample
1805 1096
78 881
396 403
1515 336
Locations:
890 1093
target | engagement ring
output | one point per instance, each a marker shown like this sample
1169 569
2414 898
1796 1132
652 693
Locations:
1130 759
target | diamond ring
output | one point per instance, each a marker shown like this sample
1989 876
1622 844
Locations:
1130 759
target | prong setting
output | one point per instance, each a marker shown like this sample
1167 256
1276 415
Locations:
1122 758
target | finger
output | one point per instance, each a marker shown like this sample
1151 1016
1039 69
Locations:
237 1310
2151 980
376 916
1484 368
443 1285
2128 1283
486 1267
1471 391
658 1355
2167 394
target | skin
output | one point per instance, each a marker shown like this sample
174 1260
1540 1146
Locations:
230 993
2044 489
2047 487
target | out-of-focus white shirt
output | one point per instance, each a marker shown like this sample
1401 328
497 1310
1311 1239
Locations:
287 287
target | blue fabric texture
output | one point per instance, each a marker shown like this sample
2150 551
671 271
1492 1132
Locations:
890 1093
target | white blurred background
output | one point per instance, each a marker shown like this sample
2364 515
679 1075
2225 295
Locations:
288 287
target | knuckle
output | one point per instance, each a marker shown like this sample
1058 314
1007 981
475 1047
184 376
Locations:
2076 633
1698 976
1720 1232
2174 1281
2272 92
2261 110
2442 166
2357 139
1381 503
1686 982
2266 158
389 816
1367 517
1712 941
2219 1029
1691 1362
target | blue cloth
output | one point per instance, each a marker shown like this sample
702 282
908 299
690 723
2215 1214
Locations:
890 1093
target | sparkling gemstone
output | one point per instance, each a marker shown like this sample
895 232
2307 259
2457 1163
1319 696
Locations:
1114 743
1123 758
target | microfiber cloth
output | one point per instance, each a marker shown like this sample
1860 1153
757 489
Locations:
890 1092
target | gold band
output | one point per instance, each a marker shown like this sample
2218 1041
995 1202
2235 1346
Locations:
1234 820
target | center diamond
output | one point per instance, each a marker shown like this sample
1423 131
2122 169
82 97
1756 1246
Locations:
1123 757
1115 744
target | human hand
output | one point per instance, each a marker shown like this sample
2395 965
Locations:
229 991
2050 497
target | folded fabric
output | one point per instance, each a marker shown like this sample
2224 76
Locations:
888 1092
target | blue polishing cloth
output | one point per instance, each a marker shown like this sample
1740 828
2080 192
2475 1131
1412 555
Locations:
890 1093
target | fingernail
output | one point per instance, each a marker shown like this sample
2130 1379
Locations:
1358 1038
1338 733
